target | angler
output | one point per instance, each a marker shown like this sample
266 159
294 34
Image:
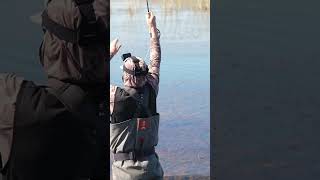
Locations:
57 132
134 120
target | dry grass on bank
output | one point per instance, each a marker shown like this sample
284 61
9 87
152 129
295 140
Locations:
171 5
195 5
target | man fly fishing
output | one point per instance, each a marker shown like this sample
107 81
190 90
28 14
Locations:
134 121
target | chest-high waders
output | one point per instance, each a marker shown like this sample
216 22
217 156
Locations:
132 143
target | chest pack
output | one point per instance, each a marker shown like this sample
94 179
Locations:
136 137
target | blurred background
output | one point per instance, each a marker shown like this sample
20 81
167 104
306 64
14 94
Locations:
20 38
266 90
184 95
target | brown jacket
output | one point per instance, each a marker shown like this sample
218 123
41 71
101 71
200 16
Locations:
70 62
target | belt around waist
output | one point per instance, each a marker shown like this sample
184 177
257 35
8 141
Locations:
134 155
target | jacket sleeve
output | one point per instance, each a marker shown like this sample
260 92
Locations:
155 60
10 86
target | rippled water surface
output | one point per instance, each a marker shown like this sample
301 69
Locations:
183 100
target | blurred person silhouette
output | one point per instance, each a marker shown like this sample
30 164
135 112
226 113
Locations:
57 132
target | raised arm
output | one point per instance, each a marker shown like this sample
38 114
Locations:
155 52
114 47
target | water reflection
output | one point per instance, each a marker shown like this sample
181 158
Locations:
184 89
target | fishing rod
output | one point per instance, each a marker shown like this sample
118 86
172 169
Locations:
125 56
148 6
148 9
148 12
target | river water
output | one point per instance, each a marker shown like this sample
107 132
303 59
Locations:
184 95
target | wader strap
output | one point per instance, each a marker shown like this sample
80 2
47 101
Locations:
90 31
70 95
61 32
87 10
133 155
